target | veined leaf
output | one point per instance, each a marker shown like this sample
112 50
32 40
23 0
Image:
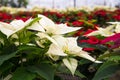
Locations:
106 70
6 57
45 71
4 67
64 70
32 49
22 74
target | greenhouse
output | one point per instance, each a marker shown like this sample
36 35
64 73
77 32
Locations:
59 39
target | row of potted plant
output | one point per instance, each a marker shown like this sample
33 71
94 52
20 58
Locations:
72 17
33 47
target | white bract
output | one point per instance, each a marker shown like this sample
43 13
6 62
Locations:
66 47
13 27
69 47
71 64
52 29
117 26
108 31
17 25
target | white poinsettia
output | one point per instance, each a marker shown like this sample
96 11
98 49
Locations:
108 31
13 27
52 29
17 25
68 46
117 26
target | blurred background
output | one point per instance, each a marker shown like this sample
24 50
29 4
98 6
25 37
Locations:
59 4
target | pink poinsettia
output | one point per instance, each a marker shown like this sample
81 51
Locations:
111 38
115 39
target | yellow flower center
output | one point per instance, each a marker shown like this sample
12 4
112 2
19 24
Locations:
66 49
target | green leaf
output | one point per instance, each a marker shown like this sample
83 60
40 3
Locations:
6 57
5 69
114 58
106 70
64 70
26 36
5 66
84 61
22 74
2 36
33 21
45 71
108 54
80 74
32 49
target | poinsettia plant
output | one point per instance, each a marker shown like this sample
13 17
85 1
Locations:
38 49
105 43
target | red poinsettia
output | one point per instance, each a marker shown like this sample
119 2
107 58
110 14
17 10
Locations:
92 40
88 49
117 17
5 17
101 13
88 31
22 18
77 23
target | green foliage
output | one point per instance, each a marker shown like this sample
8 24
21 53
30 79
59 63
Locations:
114 58
63 70
43 70
22 74
106 70
3 58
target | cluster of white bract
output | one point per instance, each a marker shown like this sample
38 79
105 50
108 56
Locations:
46 29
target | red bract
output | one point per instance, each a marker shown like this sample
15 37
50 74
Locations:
90 17
77 23
80 14
5 17
92 40
69 18
79 32
88 31
22 18
59 15
117 11
88 49
117 17
101 13
83 41
45 14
